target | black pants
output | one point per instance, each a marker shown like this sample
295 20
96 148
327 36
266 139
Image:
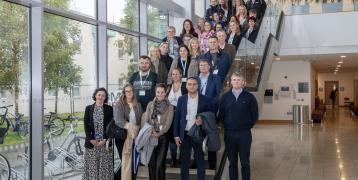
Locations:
238 142
185 152
119 145
156 164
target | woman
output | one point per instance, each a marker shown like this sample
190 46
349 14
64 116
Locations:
188 28
98 161
175 90
204 37
183 63
241 16
164 55
234 36
200 26
127 113
195 52
218 27
158 66
225 7
159 114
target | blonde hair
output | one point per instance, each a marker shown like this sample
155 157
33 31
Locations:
238 31
194 39
151 49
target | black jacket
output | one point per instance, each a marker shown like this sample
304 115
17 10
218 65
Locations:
89 124
167 60
148 85
214 9
236 41
179 40
253 35
238 114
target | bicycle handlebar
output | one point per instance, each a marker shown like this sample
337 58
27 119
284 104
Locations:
2 107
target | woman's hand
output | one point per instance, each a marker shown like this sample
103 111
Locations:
94 142
154 133
101 142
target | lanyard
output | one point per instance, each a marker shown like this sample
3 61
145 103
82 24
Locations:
141 80
184 67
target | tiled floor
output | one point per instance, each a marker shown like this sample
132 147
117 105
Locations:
313 152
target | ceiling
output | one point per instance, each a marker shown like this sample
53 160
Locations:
324 63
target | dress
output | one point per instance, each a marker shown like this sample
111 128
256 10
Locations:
98 160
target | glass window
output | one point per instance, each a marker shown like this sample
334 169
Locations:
157 22
152 43
15 90
84 7
123 54
69 70
123 13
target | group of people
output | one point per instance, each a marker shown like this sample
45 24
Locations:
175 101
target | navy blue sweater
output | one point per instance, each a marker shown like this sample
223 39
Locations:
240 114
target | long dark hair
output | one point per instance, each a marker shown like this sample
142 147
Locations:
123 99
186 47
191 31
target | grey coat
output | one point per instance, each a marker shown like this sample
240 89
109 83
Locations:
145 143
211 130
121 114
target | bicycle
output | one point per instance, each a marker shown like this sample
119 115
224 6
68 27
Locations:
54 124
20 126
5 169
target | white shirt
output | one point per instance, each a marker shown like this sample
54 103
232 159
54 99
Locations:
192 109
203 83
174 96
132 114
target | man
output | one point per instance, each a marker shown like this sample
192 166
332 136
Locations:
333 97
214 8
219 60
239 112
189 105
210 87
223 46
251 33
144 82
173 42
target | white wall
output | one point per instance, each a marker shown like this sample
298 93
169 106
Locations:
345 80
320 34
178 21
296 71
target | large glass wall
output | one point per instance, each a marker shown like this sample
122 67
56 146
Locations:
124 13
123 54
157 22
70 79
15 90
84 7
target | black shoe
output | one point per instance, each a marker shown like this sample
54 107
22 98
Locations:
174 164
193 166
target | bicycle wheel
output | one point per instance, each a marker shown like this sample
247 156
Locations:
23 130
5 171
76 152
2 120
57 126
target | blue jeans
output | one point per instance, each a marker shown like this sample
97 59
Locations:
238 142
185 153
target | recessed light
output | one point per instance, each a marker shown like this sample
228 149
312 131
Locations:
343 56
340 62
252 63
277 59
338 65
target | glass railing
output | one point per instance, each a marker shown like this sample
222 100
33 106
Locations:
317 7
249 57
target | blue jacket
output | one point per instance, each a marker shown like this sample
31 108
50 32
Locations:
222 64
212 90
181 112
240 114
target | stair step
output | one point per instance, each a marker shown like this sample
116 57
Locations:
174 173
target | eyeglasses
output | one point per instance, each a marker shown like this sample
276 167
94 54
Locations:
128 91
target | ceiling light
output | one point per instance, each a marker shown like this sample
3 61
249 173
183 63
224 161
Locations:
335 73
277 59
339 65
340 62
343 56
252 63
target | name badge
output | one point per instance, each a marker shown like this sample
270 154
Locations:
216 71
141 92
183 79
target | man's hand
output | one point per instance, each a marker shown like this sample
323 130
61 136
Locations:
178 141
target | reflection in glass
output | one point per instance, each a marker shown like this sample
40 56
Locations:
15 90
84 7
123 13
157 22
70 79
122 61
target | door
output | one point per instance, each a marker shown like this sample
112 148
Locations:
328 87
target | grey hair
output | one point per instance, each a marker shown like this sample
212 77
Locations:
237 74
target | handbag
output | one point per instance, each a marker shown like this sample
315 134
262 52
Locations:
113 131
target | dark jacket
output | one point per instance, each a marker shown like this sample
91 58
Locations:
210 129
162 72
236 41
253 35
258 5
240 114
89 124
167 60
214 9
213 88
149 84
179 40
121 113
182 88
181 112
222 64
193 34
